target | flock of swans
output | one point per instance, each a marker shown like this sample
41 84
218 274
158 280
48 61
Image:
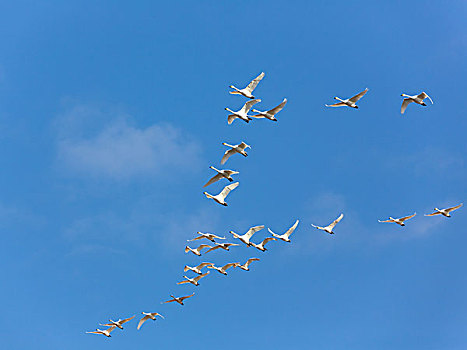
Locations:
220 198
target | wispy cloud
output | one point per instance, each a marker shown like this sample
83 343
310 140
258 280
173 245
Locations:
89 144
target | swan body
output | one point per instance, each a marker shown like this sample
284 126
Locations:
225 246
271 113
247 92
197 269
330 227
147 316
209 236
221 174
220 198
261 246
418 99
194 280
286 236
247 236
223 269
240 148
179 300
350 102
197 251
118 323
399 221
445 212
245 266
105 332
242 113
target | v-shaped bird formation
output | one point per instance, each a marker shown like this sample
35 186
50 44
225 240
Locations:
245 240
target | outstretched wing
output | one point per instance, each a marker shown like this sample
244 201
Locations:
95 332
386 220
408 217
266 240
454 208
433 214
358 96
217 246
424 95
338 104
227 155
202 246
197 278
225 192
127 319
204 264
334 223
231 118
253 230
183 282
247 106
278 108
213 179
186 297
145 318
242 146
405 103
249 261
292 229
254 83
228 266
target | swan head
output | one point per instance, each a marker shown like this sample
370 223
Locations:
231 86
226 108
336 98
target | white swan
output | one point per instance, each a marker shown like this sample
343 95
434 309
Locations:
202 235
226 174
271 113
261 246
178 299
247 236
225 246
247 92
105 332
351 102
118 323
220 198
224 268
416 98
197 269
445 212
399 221
248 262
197 251
286 235
147 316
330 227
240 148
194 280
241 113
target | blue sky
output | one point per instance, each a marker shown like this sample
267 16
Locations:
111 114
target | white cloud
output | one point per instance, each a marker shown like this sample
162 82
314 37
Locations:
119 150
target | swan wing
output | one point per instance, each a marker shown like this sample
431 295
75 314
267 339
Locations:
227 155
424 95
386 220
242 146
433 214
266 240
197 278
278 108
249 261
405 103
186 297
147 317
408 217
217 246
213 179
358 96
253 230
127 319
338 104
254 83
225 192
292 229
454 208
247 106
334 223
